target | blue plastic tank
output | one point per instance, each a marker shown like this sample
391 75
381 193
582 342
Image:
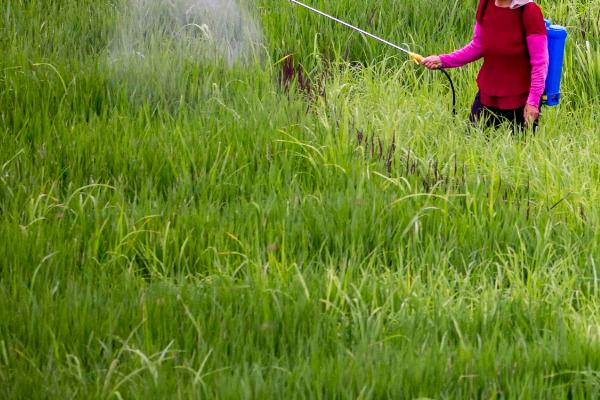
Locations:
557 39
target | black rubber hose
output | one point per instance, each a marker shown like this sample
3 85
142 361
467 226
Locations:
442 70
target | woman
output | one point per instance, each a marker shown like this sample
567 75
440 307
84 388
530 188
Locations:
510 35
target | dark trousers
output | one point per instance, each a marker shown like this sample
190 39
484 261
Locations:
494 117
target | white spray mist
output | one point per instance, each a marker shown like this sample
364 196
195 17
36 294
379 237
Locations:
159 42
208 30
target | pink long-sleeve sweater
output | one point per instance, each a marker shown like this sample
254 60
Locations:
538 52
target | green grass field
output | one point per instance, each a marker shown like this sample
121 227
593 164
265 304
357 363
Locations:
178 224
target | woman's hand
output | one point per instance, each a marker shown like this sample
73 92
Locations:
432 62
531 114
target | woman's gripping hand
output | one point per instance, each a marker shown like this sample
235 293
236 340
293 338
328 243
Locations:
432 62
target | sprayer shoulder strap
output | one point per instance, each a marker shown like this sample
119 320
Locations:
484 7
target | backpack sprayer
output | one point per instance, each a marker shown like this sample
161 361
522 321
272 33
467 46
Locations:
557 39
417 58
557 36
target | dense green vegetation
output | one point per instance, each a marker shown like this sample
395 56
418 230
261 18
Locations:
181 227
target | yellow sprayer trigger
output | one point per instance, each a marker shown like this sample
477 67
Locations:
417 58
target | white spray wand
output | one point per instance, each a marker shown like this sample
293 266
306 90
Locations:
414 56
